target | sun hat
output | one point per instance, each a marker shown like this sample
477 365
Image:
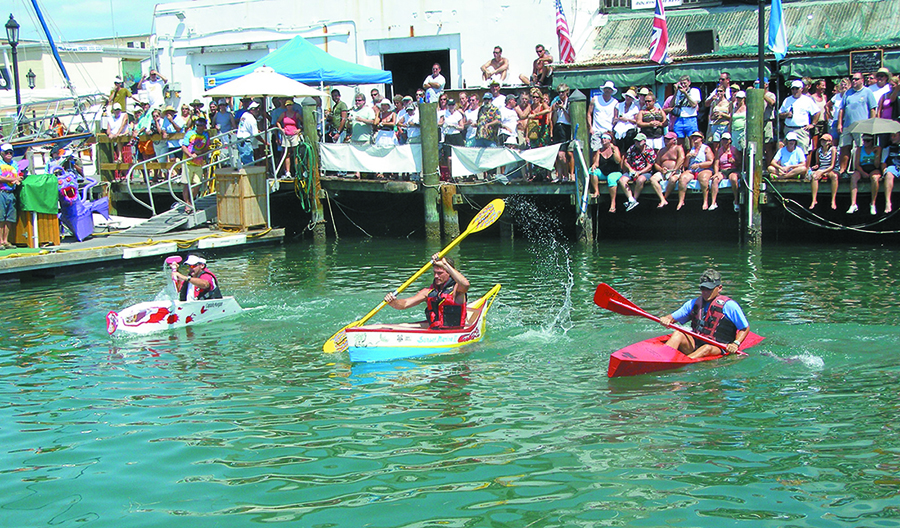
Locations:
742 94
884 71
610 85
194 259
710 279
196 102
169 108
630 93
696 133
644 91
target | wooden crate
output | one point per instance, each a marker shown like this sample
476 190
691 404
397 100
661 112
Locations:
47 226
241 198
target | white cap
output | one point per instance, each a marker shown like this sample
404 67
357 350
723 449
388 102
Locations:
117 106
742 94
791 136
194 259
797 84
726 135
5 147
253 105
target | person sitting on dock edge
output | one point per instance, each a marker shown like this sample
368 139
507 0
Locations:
445 298
711 314
199 284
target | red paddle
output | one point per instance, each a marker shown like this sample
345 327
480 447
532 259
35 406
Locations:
607 297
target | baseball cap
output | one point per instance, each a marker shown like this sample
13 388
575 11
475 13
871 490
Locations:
118 79
253 105
194 259
742 94
640 137
116 106
797 84
6 146
487 95
726 135
791 137
697 133
710 279
671 135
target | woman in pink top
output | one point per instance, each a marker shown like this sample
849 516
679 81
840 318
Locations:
289 122
727 163
888 106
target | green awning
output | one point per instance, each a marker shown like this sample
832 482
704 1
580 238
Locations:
708 72
837 65
589 79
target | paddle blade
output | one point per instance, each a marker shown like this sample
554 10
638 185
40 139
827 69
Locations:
605 293
487 216
174 259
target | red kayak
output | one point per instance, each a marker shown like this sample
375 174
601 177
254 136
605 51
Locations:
652 355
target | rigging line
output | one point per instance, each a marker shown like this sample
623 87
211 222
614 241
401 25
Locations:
340 208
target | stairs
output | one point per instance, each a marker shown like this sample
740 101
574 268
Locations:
175 219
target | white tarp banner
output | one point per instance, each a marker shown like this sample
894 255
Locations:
340 157
468 160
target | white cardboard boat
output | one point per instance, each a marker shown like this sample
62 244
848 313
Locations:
157 316
386 342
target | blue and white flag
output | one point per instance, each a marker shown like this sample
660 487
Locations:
777 32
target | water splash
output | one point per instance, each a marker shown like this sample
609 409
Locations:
553 263
168 292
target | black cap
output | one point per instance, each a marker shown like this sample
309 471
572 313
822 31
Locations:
710 279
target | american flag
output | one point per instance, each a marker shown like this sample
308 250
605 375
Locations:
566 51
659 38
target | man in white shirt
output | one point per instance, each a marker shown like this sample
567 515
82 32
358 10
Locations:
154 84
800 113
682 109
434 84
602 113
508 121
116 125
499 99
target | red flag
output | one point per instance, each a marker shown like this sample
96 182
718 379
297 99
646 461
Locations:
659 39
566 51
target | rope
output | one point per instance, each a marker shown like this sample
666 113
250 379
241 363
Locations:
824 223
331 213
351 221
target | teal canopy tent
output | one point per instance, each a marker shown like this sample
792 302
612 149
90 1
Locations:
304 62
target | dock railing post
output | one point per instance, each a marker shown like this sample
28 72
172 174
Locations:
312 135
431 178
756 106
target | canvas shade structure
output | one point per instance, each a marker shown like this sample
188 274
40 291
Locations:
264 82
305 63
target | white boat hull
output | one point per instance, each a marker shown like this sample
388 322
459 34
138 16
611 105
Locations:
157 316
386 342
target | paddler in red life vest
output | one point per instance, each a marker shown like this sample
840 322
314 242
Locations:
199 284
445 299
712 315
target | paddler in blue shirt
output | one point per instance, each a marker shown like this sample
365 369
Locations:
711 314
445 298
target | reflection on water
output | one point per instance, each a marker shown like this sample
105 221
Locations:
248 421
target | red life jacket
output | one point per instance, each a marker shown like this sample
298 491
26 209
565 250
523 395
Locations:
715 324
212 292
442 311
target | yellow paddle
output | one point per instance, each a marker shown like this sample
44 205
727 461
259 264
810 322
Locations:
484 218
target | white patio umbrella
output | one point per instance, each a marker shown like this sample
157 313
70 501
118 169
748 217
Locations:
264 82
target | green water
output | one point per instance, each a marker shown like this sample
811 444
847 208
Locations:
247 421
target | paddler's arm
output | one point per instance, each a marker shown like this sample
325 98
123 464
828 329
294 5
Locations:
738 339
203 284
402 304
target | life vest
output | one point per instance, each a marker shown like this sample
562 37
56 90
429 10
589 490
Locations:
714 324
189 291
442 310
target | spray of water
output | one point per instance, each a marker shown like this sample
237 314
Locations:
168 292
553 264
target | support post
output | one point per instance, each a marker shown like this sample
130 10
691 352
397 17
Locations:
581 140
451 217
312 135
756 106
431 178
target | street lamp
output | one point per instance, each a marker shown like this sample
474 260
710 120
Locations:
31 76
12 36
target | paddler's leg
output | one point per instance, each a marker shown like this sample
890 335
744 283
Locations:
681 342
705 350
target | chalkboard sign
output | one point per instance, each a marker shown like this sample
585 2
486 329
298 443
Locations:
868 61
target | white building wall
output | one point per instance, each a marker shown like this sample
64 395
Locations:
195 37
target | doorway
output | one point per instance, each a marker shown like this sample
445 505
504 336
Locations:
410 69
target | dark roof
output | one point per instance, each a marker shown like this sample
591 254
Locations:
813 27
